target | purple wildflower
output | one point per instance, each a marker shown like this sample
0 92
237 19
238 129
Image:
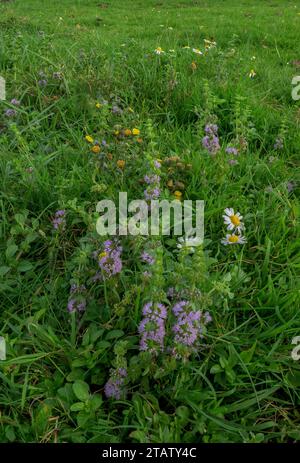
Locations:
114 387
59 220
77 301
233 162
15 102
189 323
116 110
152 327
211 129
149 179
10 112
231 150
157 164
147 258
110 260
76 305
152 193
211 140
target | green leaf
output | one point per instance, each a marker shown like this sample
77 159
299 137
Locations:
77 407
3 270
11 250
81 390
24 266
114 334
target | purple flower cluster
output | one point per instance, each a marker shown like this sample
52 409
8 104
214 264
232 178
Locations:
189 323
153 190
278 144
115 385
147 258
152 327
77 301
110 260
211 141
232 150
149 179
10 112
116 110
59 220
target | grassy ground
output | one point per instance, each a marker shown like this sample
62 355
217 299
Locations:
241 385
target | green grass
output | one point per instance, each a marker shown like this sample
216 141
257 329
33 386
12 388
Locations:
242 385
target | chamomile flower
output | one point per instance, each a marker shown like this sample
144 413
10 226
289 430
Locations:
252 74
233 239
189 242
197 51
158 51
232 220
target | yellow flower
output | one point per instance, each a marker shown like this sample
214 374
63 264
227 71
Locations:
89 139
127 132
193 66
95 149
98 105
117 132
121 163
177 194
135 131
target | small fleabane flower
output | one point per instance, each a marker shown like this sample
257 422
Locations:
234 239
233 220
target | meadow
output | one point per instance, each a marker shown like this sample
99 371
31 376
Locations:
145 338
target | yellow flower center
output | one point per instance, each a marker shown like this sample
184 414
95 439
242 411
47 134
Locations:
235 220
102 254
233 238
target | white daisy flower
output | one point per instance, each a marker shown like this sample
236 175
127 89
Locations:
158 51
195 50
233 239
189 241
232 220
